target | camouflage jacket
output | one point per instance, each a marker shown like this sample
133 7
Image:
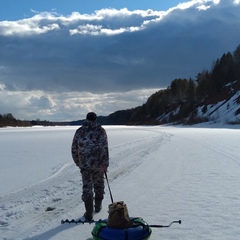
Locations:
90 146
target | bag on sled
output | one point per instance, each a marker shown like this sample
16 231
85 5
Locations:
118 215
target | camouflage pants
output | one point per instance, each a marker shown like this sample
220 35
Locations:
92 180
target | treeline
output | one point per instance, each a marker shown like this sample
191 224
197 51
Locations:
183 96
226 70
9 120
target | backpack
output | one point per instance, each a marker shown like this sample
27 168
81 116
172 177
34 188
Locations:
118 215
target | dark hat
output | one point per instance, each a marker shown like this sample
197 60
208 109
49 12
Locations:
92 116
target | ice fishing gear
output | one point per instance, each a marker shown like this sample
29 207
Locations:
139 230
118 216
107 229
162 226
109 187
79 221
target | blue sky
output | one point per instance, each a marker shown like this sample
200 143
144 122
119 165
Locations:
17 9
59 61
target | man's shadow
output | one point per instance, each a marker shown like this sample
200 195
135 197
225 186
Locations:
53 232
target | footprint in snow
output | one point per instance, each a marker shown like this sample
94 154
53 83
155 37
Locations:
3 224
48 209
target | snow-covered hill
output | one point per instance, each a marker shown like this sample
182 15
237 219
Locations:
223 108
162 174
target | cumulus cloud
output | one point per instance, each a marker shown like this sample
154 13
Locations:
110 51
68 106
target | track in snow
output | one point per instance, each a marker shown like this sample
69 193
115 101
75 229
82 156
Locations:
162 173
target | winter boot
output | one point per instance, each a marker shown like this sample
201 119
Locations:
98 204
89 209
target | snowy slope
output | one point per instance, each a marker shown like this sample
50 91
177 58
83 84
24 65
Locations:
162 174
221 108
226 111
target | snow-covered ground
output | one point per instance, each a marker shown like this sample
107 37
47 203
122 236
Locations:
162 173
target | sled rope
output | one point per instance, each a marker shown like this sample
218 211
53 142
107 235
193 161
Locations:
109 187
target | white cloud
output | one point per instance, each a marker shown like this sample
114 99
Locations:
68 105
24 27
2 87
87 29
80 23
104 21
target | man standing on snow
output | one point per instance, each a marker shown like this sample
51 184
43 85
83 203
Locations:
90 153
